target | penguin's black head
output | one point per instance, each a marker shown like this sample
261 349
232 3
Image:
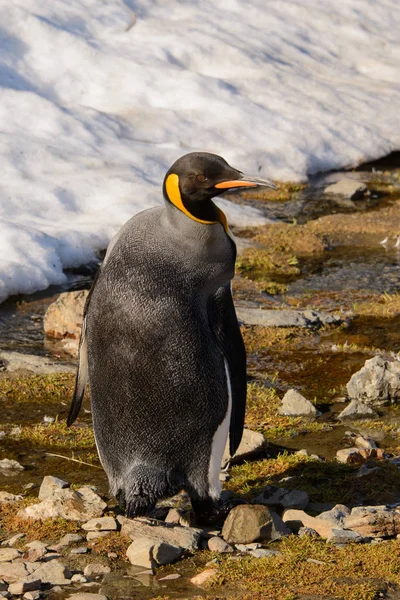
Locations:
196 178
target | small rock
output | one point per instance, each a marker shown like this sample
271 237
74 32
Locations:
112 555
96 570
249 523
87 596
344 536
16 431
6 498
94 535
72 505
295 519
280 497
285 318
294 404
13 540
357 410
7 554
54 573
34 595
184 537
247 547
63 318
204 576
307 531
47 419
165 554
170 577
262 553
337 515
217 544
101 524
145 552
41 365
252 444
8 464
80 550
173 516
34 554
12 572
365 442
66 540
78 578
50 485
377 382
350 188
349 456
374 521
25 585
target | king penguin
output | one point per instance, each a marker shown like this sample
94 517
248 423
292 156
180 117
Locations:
161 347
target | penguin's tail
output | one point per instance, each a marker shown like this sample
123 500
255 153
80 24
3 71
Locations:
81 381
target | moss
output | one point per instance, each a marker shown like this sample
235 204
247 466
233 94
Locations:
38 389
383 305
114 542
350 573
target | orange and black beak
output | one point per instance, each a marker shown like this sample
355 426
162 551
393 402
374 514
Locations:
244 181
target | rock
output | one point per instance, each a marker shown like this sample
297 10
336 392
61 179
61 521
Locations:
50 485
78 578
349 456
285 318
344 536
80 550
12 572
64 317
147 552
307 531
101 524
7 554
174 516
294 404
87 596
374 521
377 382
72 505
165 554
13 540
280 497
34 554
347 187
96 570
357 410
185 537
25 585
247 547
170 577
66 540
7 498
253 444
262 553
54 573
203 576
250 523
365 442
8 464
295 519
217 544
95 535
337 515
33 595
40 365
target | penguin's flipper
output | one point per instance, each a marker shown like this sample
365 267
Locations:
82 376
226 328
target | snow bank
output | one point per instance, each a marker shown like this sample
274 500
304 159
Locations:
99 97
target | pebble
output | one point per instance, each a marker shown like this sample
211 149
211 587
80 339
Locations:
80 550
13 540
262 553
7 554
170 577
95 570
101 524
78 578
34 595
8 464
203 576
217 544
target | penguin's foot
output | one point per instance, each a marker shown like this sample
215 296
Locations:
138 506
205 510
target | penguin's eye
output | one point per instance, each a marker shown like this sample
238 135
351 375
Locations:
201 178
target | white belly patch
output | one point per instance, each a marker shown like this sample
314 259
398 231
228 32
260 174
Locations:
218 444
